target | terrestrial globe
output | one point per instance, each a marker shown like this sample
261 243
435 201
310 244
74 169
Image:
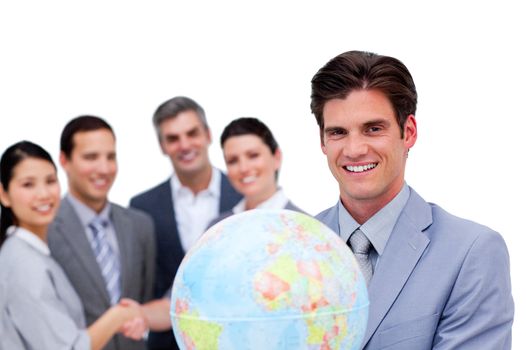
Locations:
269 280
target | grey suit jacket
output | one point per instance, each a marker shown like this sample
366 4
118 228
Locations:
442 282
71 249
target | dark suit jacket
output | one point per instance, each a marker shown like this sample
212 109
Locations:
71 249
158 203
442 282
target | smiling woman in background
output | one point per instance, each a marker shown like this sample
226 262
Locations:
39 308
253 159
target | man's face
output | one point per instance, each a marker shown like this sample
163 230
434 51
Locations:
185 140
364 148
91 167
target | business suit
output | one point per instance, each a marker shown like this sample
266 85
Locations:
442 282
158 203
71 248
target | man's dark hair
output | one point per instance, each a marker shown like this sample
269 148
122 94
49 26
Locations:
174 106
80 124
358 70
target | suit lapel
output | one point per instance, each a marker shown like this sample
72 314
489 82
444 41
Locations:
403 251
166 214
123 228
74 234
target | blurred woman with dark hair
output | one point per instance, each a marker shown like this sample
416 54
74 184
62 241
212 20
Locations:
39 308
253 160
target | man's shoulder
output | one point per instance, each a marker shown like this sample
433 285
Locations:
327 214
461 228
329 217
65 209
324 213
136 222
66 217
150 195
131 213
444 225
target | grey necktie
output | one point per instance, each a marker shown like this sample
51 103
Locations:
108 261
361 247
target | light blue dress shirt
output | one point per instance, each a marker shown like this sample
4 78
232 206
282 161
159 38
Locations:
87 215
379 227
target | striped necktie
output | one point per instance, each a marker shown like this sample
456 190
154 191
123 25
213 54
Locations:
106 258
361 247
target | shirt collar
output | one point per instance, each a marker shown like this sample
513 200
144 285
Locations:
30 238
214 187
379 227
86 214
277 201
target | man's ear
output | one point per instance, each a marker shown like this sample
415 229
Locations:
410 132
322 142
63 160
161 147
209 136
322 145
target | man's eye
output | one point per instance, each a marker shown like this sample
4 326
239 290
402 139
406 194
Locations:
336 133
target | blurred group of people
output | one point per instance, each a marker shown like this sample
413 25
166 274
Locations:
81 272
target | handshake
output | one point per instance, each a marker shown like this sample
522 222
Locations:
138 319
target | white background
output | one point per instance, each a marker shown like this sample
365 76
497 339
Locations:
120 60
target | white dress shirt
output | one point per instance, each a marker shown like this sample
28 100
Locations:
194 212
277 201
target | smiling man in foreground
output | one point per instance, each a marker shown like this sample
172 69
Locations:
435 281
